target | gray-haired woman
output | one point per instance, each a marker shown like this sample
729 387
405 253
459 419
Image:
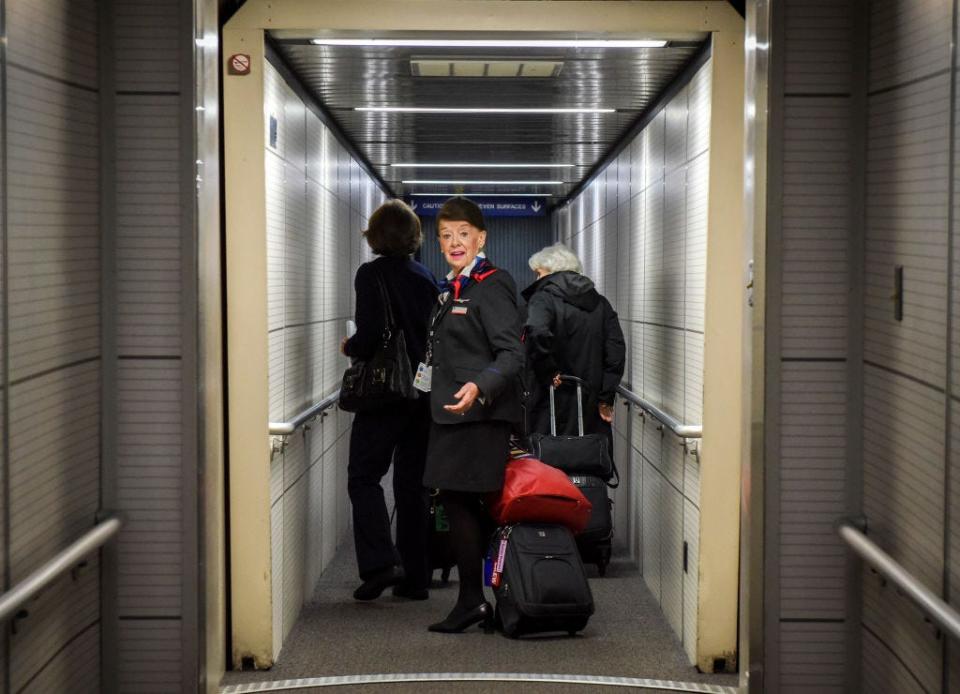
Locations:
570 329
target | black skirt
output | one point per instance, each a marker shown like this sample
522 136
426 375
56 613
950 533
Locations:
468 457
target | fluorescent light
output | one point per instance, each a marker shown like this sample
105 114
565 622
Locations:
495 43
487 166
483 195
428 109
485 183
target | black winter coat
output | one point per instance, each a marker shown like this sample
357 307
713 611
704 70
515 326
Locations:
570 329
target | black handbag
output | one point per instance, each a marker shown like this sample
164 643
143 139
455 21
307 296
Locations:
384 379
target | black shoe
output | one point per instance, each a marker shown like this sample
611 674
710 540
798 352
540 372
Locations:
402 590
459 619
379 582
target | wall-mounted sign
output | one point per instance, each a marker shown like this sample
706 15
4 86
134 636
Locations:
238 64
428 206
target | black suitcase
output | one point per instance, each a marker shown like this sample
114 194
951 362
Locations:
595 542
541 585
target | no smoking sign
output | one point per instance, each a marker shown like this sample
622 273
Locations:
238 64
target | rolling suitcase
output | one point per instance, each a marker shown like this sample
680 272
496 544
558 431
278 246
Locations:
587 462
538 580
595 541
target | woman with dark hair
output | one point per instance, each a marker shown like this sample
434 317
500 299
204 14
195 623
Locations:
473 360
392 433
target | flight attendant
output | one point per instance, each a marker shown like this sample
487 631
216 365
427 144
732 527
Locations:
474 357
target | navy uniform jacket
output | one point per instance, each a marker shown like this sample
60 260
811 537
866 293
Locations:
478 339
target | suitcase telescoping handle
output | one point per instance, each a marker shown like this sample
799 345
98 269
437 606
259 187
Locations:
553 407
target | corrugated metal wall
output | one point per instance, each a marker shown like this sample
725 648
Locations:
640 229
867 186
318 201
51 315
98 136
510 243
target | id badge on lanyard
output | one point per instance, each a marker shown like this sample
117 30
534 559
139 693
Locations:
424 378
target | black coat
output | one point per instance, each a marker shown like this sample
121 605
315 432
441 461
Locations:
570 329
412 291
477 338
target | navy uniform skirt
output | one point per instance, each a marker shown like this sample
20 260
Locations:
468 457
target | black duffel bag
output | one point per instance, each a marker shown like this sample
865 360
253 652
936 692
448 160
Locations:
586 454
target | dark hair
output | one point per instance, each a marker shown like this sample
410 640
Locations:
460 209
393 229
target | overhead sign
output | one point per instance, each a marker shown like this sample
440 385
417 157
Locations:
428 206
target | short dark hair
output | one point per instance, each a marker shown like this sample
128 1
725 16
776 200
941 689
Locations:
461 209
393 229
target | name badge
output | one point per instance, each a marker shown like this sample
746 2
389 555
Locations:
459 310
423 378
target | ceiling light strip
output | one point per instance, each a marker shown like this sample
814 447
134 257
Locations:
430 109
482 195
481 183
484 166
493 43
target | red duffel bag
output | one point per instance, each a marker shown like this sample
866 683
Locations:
534 492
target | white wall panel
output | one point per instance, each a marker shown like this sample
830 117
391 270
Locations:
691 577
818 44
883 671
671 556
57 38
76 668
653 511
147 44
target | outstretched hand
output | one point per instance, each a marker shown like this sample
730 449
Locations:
465 398
557 382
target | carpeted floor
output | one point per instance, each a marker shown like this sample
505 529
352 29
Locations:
628 636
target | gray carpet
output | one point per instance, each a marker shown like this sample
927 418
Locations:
628 636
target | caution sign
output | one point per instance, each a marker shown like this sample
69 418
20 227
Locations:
238 64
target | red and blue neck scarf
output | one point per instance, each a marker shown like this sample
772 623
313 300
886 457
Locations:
482 269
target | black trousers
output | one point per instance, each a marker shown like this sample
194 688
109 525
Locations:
377 438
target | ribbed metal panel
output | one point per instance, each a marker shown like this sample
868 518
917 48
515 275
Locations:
74 669
884 672
812 657
907 225
813 397
904 442
908 40
149 487
510 243
816 209
53 244
152 657
147 45
818 46
691 577
148 225
57 38
65 611
54 482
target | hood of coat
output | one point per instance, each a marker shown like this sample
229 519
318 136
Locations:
570 287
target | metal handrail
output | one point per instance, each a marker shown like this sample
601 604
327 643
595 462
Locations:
100 534
287 428
942 613
686 431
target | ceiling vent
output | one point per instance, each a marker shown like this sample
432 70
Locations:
450 67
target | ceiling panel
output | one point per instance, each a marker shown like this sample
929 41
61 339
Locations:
344 78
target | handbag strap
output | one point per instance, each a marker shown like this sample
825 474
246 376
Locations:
390 323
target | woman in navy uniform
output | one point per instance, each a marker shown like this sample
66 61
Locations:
391 434
474 357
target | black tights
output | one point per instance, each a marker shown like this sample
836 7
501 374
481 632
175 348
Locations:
469 529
